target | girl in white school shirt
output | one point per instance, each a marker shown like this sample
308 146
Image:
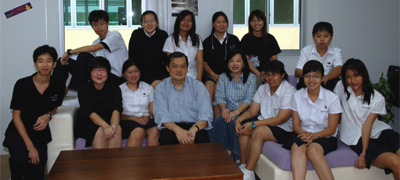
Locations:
315 115
185 40
374 141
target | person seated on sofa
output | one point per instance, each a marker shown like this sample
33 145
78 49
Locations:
100 107
315 115
34 101
145 48
182 108
374 141
272 105
321 50
137 104
235 90
109 45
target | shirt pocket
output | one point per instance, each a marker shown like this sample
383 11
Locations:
323 116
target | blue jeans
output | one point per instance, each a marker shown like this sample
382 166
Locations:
225 133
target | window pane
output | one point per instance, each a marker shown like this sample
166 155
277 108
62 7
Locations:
116 11
83 9
283 12
67 13
136 11
238 9
258 4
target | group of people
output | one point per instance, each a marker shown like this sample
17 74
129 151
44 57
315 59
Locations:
179 89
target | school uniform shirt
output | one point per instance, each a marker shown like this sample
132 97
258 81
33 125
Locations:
259 49
136 103
188 105
114 51
270 105
186 48
32 105
331 59
314 115
146 50
232 93
215 51
355 113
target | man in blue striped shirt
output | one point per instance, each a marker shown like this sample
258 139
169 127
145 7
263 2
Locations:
182 108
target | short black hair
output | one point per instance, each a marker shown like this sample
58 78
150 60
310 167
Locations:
275 67
313 66
99 62
43 50
148 12
322 26
97 15
176 55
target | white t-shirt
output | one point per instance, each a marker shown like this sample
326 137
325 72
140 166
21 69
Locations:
118 53
314 115
270 105
136 103
331 59
355 113
187 49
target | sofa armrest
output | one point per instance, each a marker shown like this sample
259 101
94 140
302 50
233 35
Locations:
62 132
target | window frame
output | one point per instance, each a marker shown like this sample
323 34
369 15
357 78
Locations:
102 7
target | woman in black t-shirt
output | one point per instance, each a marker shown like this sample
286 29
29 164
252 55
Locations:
259 46
216 47
100 108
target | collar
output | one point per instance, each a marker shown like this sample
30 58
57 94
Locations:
240 78
126 88
350 90
321 93
150 34
278 92
330 50
173 86
223 38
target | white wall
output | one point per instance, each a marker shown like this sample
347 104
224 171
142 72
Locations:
19 36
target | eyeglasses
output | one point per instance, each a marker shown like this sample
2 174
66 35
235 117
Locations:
175 66
148 22
102 24
316 77
99 70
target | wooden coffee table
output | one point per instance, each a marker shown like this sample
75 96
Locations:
194 161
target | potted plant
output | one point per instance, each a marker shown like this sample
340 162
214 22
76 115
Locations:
383 87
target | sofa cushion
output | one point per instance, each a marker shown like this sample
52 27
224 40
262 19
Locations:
80 143
341 157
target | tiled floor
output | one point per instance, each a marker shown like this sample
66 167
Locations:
4 169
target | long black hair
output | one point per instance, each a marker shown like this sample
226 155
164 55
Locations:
358 67
215 16
260 15
245 70
127 64
192 32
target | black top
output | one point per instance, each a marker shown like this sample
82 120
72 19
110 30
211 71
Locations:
102 102
215 53
260 48
32 104
147 52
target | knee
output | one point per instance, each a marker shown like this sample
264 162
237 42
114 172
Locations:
137 134
257 134
153 133
314 153
395 165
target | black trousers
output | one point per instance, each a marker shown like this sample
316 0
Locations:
80 72
168 137
20 167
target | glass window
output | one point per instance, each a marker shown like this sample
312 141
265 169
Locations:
67 13
136 12
116 11
239 12
283 12
258 4
83 8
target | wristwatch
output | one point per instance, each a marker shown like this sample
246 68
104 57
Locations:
195 125
253 125
50 116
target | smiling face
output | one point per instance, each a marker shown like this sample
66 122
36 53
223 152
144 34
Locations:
235 64
322 39
313 80
186 23
132 75
178 68
274 79
256 24
149 23
99 77
220 24
100 28
44 64
354 80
